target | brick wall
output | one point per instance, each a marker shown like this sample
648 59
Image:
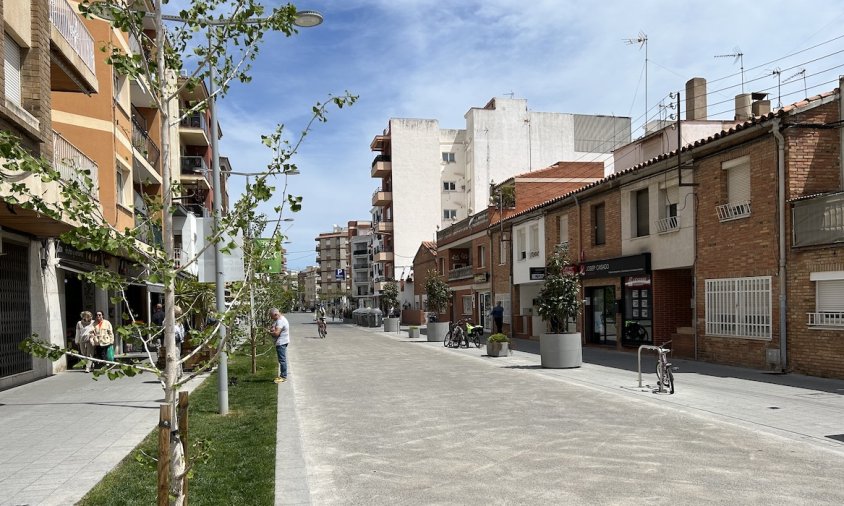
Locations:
672 294
500 272
813 153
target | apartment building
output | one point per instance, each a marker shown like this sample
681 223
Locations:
431 178
309 286
46 49
332 256
361 269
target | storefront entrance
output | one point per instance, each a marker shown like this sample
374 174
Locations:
600 315
638 311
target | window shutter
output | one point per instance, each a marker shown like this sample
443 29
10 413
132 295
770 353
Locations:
830 297
12 66
738 184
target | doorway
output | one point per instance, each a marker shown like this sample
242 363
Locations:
483 310
601 315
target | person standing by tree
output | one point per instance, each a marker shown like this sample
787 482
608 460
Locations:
103 337
280 331
497 314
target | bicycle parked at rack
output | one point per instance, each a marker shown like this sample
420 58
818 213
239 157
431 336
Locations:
664 370
456 335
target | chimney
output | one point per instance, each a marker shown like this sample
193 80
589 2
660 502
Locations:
760 105
696 99
743 107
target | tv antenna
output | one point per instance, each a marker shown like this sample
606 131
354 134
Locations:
777 72
737 56
642 40
801 72
510 94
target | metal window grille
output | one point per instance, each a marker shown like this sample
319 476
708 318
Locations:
739 307
14 310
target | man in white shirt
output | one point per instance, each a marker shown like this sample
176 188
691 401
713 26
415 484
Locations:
280 331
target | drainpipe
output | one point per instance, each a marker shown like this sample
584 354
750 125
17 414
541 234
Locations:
775 130
579 261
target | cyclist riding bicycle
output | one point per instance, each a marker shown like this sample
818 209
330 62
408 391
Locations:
320 316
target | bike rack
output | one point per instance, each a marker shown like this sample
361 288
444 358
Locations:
639 353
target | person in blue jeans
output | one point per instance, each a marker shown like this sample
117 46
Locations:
280 331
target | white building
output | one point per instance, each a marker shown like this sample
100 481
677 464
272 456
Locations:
432 177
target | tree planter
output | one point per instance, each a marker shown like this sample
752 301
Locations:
437 331
391 324
413 332
497 349
560 351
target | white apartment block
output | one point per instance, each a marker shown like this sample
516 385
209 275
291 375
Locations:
332 257
432 177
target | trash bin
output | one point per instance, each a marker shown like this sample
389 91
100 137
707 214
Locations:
364 317
356 315
377 318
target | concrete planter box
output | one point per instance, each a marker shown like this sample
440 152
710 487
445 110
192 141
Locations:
560 351
391 324
437 331
413 332
497 349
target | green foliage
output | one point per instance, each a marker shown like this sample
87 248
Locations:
559 299
437 291
504 196
498 338
390 296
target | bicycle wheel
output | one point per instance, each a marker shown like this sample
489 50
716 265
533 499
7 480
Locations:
322 331
477 341
658 372
446 341
668 382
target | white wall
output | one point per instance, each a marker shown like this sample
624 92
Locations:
521 268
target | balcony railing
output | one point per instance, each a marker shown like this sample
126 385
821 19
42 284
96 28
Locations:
460 273
70 25
670 224
72 164
177 257
733 211
826 319
819 220
195 120
143 143
194 165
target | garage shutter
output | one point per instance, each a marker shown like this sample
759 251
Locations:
738 183
831 296
12 66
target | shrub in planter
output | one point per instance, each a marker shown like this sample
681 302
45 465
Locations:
498 345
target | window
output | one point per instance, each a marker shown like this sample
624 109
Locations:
738 189
449 214
564 229
481 256
449 186
121 187
467 304
829 299
599 235
739 307
534 240
520 245
12 65
641 213
448 157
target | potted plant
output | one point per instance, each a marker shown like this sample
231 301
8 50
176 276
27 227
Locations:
436 288
413 332
559 303
498 345
390 303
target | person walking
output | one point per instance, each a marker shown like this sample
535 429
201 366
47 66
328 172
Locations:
84 333
280 331
497 314
103 337
158 320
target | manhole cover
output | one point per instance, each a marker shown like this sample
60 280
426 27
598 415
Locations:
837 437
773 407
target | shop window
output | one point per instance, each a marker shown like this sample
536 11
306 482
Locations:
599 233
829 299
467 304
739 307
640 211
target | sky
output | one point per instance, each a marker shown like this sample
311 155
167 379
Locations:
437 59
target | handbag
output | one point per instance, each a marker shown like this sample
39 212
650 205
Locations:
110 353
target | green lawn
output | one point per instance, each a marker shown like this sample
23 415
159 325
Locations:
240 467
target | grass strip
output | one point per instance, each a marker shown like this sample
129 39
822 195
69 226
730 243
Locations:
239 449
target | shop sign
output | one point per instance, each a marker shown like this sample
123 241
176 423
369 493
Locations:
537 273
65 252
638 281
617 267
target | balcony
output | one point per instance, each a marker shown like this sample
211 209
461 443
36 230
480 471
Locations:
382 166
460 273
819 220
74 165
359 252
380 283
72 51
381 198
826 319
193 129
142 142
666 225
383 254
733 211
384 227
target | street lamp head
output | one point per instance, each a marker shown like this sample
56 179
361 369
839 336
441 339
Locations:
307 19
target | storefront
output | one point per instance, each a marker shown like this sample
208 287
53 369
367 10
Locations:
619 300
78 294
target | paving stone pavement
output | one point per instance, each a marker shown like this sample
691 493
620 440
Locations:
370 417
61 435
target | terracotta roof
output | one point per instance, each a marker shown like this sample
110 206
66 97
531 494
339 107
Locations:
431 246
756 120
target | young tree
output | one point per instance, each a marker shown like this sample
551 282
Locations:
436 288
389 298
559 299
213 40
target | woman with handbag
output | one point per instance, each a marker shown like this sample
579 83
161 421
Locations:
103 338
84 335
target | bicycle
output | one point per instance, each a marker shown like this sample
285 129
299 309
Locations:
475 332
635 332
664 370
321 328
456 336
